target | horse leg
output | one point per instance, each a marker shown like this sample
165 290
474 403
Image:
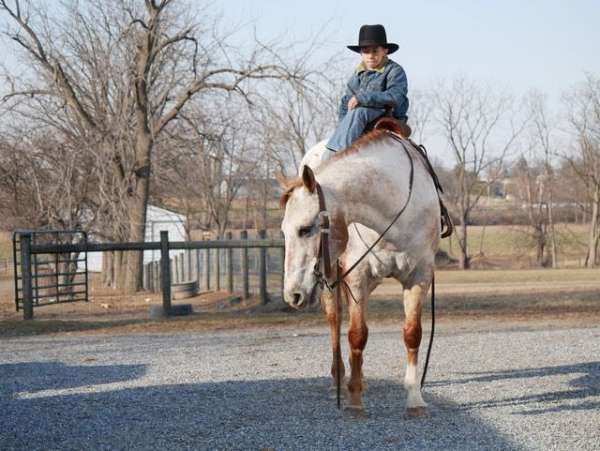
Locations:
414 293
329 307
358 333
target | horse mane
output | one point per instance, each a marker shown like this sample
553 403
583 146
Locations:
364 141
289 184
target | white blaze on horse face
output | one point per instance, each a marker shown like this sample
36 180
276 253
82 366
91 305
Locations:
301 233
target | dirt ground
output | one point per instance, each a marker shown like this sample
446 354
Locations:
565 296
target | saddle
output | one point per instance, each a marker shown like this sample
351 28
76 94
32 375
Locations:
400 127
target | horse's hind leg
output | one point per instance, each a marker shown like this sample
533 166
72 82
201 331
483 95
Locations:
328 303
358 334
414 293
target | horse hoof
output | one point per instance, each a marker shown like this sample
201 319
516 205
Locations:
333 395
356 411
416 412
333 392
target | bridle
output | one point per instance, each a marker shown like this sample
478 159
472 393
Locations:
323 270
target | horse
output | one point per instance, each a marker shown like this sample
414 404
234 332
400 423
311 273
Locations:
363 187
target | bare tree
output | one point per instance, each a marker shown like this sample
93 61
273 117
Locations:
422 104
543 141
166 59
532 192
298 117
205 170
583 104
480 129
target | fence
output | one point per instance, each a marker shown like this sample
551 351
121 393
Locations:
223 269
161 271
55 278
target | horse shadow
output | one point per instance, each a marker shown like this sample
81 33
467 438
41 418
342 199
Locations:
50 405
585 385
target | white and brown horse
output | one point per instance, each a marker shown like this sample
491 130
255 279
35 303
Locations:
365 184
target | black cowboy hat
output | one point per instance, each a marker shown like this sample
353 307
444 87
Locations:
372 35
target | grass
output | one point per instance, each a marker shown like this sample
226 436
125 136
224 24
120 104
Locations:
510 241
518 276
514 247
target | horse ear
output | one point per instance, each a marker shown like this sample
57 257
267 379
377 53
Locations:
308 178
282 180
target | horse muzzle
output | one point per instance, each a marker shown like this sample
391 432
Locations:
299 299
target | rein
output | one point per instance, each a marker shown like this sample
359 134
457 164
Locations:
322 269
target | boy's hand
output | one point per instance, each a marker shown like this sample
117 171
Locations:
352 103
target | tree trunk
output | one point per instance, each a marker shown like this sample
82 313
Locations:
137 212
119 271
463 258
137 203
553 250
540 241
594 232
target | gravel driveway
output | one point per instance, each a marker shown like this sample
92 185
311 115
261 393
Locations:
266 390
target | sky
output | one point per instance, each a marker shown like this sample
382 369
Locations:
526 44
509 45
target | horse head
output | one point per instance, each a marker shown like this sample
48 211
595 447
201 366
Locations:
302 231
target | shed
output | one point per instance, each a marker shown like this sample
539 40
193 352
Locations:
157 219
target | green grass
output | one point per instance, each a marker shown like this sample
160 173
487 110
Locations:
518 276
510 241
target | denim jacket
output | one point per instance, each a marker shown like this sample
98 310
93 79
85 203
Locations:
386 87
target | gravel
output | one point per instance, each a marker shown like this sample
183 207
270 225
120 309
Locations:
267 389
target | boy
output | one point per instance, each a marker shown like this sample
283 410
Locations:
378 87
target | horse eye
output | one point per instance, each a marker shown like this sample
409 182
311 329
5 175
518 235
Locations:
304 231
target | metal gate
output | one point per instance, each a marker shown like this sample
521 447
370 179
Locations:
56 278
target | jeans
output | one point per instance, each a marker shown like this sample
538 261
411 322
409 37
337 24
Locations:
351 126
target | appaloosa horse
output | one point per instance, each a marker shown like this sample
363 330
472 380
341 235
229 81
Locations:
366 184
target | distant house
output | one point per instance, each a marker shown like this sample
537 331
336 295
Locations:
157 219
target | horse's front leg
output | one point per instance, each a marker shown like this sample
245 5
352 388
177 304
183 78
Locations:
414 294
328 303
358 333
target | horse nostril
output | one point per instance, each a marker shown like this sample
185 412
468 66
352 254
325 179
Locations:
297 299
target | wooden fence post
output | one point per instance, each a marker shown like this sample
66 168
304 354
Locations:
156 278
197 258
262 270
245 279
180 268
166 271
26 276
207 269
217 263
229 264
148 270
188 259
